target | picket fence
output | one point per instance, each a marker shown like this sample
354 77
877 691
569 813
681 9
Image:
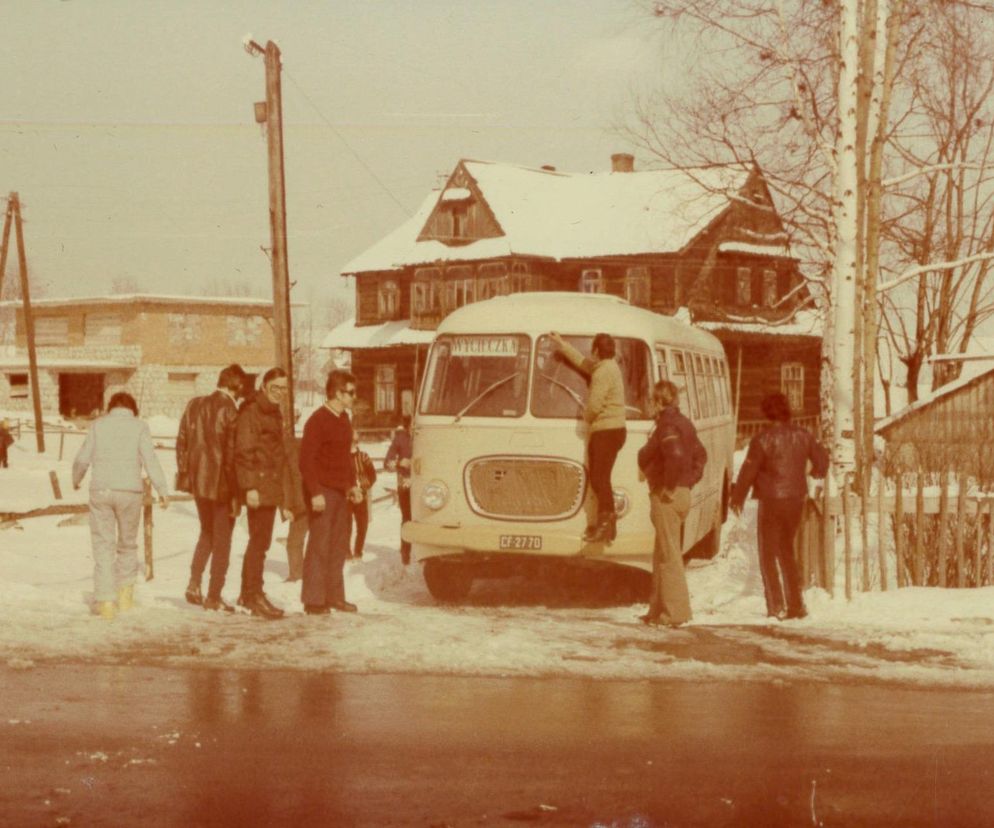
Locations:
920 530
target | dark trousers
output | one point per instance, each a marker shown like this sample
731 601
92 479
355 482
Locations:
260 526
327 549
214 543
778 523
359 513
404 499
602 451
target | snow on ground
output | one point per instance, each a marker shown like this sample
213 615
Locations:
505 628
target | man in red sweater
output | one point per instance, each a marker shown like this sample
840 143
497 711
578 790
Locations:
329 483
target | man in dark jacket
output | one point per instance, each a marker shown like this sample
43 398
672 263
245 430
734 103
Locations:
775 469
329 483
205 468
671 461
260 460
399 459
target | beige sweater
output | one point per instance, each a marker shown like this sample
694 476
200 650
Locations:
605 407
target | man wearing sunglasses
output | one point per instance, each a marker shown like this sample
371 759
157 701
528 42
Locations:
329 484
260 459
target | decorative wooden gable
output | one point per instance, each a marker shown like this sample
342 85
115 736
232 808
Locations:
462 214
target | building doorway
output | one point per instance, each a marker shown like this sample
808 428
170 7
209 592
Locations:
81 395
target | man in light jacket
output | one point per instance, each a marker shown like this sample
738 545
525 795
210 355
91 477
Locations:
604 414
117 447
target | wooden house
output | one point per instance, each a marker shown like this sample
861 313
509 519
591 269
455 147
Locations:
949 430
707 243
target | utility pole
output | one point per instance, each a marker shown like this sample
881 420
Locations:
270 113
14 212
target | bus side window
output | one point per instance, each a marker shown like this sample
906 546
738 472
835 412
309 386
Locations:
703 382
684 379
662 371
719 378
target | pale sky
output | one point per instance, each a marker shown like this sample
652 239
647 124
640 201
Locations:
127 126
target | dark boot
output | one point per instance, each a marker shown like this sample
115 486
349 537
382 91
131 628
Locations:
270 605
257 605
217 603
606 528
193 593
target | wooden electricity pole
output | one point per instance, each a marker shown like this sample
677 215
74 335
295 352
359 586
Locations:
14 213
271 114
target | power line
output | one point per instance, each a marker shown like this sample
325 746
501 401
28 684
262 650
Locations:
348 146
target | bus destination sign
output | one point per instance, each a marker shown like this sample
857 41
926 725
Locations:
484 346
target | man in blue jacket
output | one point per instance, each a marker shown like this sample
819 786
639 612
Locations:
775 469
671 461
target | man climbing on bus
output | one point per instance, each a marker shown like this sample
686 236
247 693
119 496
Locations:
672 462
604 413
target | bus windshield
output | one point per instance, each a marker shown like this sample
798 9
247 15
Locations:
477 375
560 390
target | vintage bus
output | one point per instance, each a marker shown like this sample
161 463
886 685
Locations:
498 476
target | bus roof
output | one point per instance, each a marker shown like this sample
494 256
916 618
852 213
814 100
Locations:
573 313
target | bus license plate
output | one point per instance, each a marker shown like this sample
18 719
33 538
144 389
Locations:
520 541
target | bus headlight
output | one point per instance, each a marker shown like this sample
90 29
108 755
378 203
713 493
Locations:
621 502
435 495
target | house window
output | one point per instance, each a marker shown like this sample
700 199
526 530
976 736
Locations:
244 330
460 287
18 386
182 383
592 281
388 300
521 278
102 329
792 385
743 286
425 297
637 286
385 397
183 328
769 288
52 330
492 280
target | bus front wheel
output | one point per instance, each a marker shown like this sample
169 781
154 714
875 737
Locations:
446 581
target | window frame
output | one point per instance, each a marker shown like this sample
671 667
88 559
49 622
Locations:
385 389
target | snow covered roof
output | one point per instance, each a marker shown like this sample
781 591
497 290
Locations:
780 250
803 323
931 397
560 215
20 363
351 337
145 298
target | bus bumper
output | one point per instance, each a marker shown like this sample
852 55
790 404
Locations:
432 540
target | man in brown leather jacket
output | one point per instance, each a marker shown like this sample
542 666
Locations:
775 469
205 468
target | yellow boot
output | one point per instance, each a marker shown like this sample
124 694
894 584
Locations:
106 610
126 598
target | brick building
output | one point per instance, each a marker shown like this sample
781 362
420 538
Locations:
705 243
161 349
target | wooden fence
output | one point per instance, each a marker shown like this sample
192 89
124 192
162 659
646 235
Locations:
918 530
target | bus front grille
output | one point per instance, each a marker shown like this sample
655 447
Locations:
525 488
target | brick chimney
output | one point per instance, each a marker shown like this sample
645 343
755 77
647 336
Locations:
622 162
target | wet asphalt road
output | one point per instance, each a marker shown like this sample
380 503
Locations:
89 745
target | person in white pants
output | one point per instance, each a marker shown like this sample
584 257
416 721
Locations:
117 447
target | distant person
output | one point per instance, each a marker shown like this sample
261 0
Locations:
671 461
260 461
398 459
775 469
294 510
365 473
6 441
604 413
205 467
329 483
117 447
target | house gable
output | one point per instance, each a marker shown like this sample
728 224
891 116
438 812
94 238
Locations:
461 215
